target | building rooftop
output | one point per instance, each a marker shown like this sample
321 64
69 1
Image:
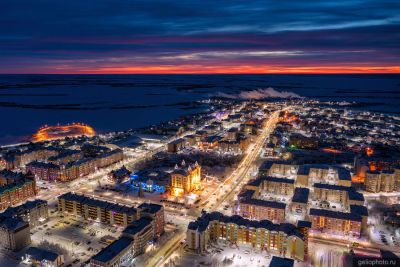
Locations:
261 179
150 207
28 205
336 214
281 262
265 203
358 209
202 223
301 223
113 250
137 226
332 187
41 254
39 164
301 195
98 203
13 224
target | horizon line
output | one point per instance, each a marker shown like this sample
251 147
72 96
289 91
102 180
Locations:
215 73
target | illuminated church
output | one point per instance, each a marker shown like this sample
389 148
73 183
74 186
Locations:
185 179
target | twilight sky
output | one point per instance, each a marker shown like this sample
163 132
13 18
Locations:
183 36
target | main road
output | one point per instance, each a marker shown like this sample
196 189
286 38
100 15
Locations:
235 180
242 172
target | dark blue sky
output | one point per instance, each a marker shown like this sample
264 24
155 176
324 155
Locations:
122 36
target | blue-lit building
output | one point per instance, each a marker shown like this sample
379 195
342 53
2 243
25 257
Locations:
150 181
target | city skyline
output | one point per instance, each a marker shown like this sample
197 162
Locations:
170 37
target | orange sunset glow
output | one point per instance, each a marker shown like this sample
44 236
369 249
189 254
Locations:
214 69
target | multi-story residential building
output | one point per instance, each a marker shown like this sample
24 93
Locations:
18 158
109 158
14 233
66 156
70 165
307 174
304 227
134 240
34 212
268 184
185 179
333 193
156 213
142 232
300 200
250 206
336 222
44 171
387 181
382 181
397 179
237 146
283 239
119 253
15 188
277 169
97 210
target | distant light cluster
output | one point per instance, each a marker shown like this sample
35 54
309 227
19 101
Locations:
61 131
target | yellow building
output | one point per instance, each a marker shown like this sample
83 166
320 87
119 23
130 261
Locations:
185 179
384 181
97 210
284 239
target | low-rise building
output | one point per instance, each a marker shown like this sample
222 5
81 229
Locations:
43 258
119 175
176 145
303 142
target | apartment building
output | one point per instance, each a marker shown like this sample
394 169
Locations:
382 181
34 212
15 188
336 222
97 210
14 233
156 213
284 239
249 206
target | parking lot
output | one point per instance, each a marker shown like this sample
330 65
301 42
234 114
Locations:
80 239
383 235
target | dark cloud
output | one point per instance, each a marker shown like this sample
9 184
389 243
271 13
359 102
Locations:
85 34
